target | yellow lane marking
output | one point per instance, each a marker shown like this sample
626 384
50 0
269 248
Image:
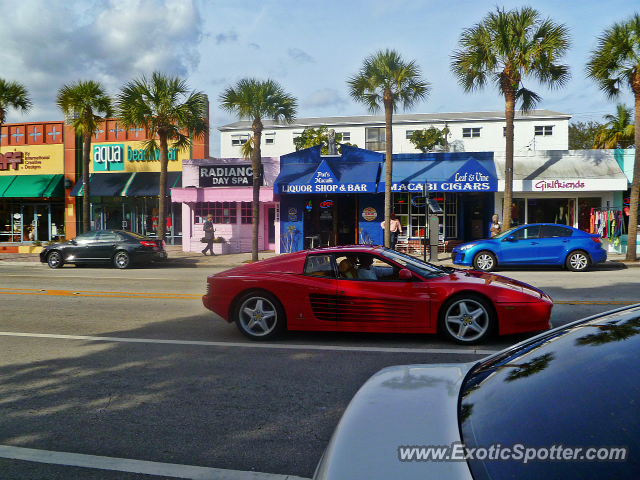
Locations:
87 293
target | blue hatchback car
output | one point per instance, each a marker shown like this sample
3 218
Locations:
534 244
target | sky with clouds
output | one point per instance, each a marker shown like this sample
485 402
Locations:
310 48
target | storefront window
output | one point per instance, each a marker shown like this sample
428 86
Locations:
550 210
517 212
410 210
247 213
223 212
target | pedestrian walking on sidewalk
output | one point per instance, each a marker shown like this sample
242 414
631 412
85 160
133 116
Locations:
208 234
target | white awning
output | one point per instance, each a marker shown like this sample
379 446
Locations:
564 171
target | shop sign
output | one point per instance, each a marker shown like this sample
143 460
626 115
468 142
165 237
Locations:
369 214
330 188
10 159
139 155
326 204
226 176
543 185
108 158
293 214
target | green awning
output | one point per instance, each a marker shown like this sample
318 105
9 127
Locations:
35 186
5 181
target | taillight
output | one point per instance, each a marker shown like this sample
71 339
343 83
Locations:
147 243
596 239
164 244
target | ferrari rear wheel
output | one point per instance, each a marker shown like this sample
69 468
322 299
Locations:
259 316
485 261
54 260
578 261
467 319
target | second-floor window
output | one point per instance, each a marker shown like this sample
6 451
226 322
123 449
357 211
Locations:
239 140
409 133
375 139
543 130
471 132
269 138
346 136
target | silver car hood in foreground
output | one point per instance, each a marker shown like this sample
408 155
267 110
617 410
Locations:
413 405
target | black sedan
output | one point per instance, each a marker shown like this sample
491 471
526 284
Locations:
104 246
562 405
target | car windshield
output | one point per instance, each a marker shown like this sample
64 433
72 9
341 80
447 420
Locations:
505 233
415 265
573 389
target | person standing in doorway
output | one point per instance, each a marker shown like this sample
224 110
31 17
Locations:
395 229
208 234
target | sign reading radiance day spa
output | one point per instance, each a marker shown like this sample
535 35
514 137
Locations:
237 175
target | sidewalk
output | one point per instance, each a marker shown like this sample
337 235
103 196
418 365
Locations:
180 259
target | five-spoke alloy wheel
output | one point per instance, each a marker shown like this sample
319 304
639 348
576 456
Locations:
485 261
467 319
578 261
259 316
121 260
54 260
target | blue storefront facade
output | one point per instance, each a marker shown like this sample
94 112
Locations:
339 199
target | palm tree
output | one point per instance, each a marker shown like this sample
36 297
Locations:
255 100
618 132
386 80
169 112
12 95
506 48
614 64
84 102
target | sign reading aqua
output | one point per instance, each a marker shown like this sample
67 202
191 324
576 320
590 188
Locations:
108 157
138 155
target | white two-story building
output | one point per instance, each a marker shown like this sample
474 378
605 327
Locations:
468 132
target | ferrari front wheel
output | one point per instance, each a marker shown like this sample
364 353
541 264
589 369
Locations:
467 319
259 316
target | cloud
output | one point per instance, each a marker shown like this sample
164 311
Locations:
226 37
254 45
112 42
327 97
299 57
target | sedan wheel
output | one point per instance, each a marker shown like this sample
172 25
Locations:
122 260
467 320
578 261
54 260
485 261
259 316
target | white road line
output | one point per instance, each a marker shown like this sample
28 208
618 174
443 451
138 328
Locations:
90 277
282 346
134 466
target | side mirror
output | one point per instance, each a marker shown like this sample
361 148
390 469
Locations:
73 241
405 274
510 238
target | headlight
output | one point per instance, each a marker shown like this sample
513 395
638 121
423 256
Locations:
466 247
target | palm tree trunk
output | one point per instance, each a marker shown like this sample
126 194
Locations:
256 166
86 200
510 109
388 137
164 162
635 183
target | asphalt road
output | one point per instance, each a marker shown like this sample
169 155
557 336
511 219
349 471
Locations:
172 384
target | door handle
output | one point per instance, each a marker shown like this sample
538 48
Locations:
565 241
342 292
534 243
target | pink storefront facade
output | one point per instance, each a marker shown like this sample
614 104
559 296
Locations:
222 187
